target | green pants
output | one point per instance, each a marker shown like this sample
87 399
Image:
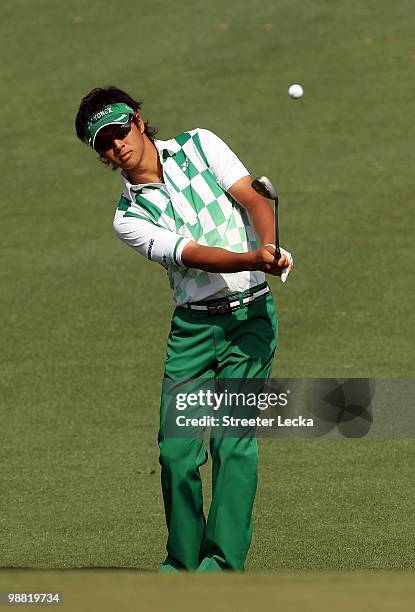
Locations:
238 345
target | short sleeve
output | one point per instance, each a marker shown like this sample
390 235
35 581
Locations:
225 165
153 242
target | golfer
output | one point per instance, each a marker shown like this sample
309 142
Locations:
187 204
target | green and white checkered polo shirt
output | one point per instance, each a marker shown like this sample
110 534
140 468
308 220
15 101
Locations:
159 219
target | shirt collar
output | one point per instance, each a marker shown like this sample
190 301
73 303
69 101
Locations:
172 146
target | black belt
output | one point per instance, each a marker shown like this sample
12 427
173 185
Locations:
227 304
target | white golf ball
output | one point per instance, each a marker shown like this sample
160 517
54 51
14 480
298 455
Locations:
295 91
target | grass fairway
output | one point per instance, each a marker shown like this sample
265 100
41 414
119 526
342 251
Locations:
83 320
107 591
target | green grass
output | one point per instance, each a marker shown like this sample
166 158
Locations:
84 319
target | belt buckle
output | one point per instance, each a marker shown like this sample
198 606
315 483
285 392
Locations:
218 308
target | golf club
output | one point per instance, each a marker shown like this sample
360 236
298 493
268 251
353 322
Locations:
263 186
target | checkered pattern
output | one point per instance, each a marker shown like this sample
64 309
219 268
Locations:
192 203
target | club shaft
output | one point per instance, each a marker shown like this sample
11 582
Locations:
277 231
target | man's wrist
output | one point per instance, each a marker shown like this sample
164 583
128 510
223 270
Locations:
250 260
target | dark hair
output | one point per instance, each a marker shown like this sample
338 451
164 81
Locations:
95 100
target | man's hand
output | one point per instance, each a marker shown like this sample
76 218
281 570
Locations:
264 260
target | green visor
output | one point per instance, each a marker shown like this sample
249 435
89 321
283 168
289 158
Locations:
111 114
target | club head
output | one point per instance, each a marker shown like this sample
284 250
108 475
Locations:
263 185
